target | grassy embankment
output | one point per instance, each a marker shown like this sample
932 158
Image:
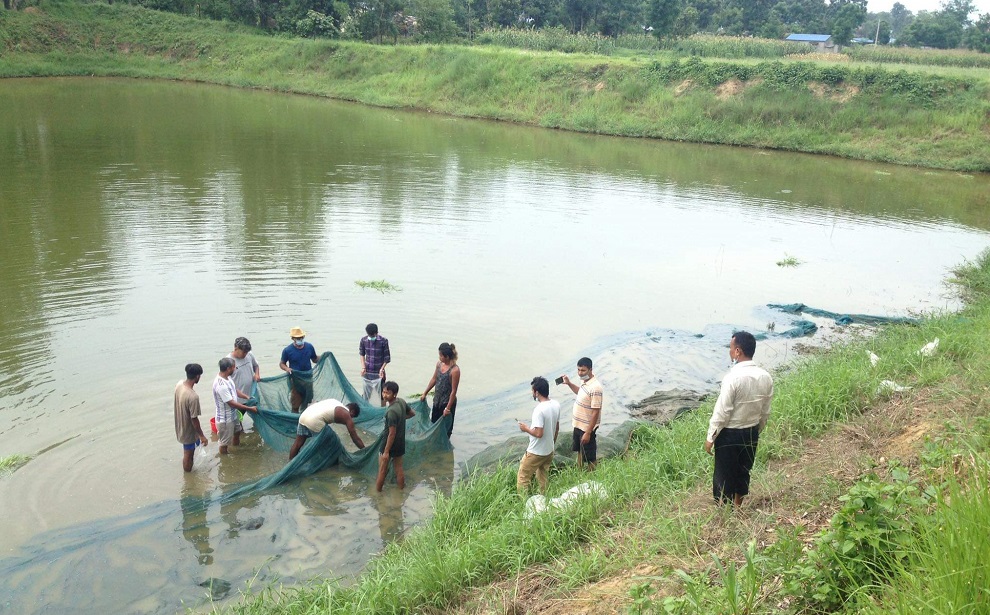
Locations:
859 110
896 530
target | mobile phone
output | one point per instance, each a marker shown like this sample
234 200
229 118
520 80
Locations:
559 380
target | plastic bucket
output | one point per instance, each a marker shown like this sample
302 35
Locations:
213 424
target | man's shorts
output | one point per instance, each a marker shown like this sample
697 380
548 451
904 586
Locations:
302 430
589 451
226 431
191 446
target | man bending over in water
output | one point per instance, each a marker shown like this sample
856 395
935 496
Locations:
319 415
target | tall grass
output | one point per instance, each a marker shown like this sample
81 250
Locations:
11 462
908 55
948 571
709 46
548 39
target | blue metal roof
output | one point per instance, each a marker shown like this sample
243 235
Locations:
809 38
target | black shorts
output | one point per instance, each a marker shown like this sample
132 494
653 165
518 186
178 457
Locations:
735 452
589 451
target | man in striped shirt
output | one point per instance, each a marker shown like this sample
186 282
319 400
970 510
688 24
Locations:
587 413
375 357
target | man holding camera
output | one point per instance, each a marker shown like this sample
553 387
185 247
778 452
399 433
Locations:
587 412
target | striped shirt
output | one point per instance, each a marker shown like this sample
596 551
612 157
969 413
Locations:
589 399
743 401
375 355
224 391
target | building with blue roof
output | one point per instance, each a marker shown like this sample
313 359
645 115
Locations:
821 42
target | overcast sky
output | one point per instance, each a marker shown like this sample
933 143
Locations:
876 6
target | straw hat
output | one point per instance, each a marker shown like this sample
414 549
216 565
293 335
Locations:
297 332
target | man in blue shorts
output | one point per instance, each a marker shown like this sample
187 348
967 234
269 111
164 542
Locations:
187 429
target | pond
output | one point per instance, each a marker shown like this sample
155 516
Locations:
145 225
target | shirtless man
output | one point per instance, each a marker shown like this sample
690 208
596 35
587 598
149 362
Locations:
322 413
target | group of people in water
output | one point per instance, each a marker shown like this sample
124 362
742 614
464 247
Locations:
740 413
239 370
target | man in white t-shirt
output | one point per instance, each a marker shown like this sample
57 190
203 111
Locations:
539 453
247 371
317 416
225 396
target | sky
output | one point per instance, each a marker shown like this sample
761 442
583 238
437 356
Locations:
876 6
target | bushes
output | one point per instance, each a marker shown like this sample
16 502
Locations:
917 87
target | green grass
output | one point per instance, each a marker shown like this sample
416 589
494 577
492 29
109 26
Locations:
906 117
381 286
12 462
788 261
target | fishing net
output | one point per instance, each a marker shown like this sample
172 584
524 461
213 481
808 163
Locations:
841 319
277 426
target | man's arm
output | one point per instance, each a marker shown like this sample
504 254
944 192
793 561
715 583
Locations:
410 412
386 359
242 395
574 388
195 422
257 368
314 357
239 406
284 367
721 413
556 432
355 438
361 353
765 415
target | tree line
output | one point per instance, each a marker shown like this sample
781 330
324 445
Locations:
458 20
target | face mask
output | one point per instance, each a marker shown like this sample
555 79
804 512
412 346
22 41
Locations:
371 339
299 343
585 377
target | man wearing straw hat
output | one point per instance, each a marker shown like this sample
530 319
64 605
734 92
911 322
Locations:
299 356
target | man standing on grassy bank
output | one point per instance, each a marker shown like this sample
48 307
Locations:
740 414
587 413
539 453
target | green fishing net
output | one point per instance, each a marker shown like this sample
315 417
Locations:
277 426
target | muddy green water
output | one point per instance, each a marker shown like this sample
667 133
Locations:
145 225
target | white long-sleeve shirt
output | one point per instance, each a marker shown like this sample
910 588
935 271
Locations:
743 401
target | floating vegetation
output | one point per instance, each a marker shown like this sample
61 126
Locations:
788 261
12 462
380 285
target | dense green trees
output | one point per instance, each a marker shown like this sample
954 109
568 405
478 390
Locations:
451 20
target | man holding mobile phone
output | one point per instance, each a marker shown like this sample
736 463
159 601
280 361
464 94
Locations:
542 437
587 413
